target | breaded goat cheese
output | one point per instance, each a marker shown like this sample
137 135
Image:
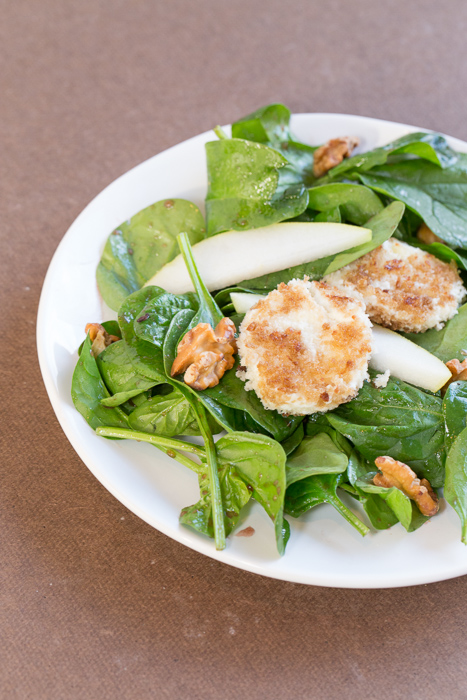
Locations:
404 288
305 347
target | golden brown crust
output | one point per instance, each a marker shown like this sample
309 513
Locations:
332 153
404 288
205 354
305 351
99 337
400 475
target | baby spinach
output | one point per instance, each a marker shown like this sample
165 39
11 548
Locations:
120 376
438 196
249 465
291 443
398 420
250 185
450 342
88 390
314 490
139 247
168 415
378 511
429 146
315 455
455 485
455 411
357 204
270 125
382 226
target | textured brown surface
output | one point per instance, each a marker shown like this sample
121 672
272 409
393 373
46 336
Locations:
94 603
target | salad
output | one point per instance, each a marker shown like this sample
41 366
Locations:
280 217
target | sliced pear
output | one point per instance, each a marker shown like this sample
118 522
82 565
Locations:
407 361
233 256
243 302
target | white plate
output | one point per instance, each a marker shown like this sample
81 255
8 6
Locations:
323 549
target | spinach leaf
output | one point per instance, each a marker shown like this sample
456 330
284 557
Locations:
357 203
329 215
291 443
88 390
315 455
250 185
450 342
455 411
431 147
378 511
139 247
168 415
455 486
438 196
249 465
403 508
144 318
382 226
119 375
441 251
398 420
314 490
270 125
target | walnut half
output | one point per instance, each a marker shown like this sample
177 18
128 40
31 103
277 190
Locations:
401 476
332 153
205 354
100 339
458 371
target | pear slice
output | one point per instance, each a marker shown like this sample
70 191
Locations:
406 360
233 256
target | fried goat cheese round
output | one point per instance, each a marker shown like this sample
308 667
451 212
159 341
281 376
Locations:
404 288
305 347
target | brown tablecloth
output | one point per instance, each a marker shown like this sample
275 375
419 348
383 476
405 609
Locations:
95 603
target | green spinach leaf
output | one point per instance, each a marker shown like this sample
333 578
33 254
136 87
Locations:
455 486
168 415
250 185
429 146
449 343
270 125
249 465
438 196
455 411
315 490
119 375
398 420
88 390
139 247
357 204
315 455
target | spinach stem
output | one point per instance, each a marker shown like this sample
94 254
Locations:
216 496
349 516
162 442
220 133
205 299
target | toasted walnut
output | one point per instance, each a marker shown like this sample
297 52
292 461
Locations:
332 153
401 476
100 339
458 371
205 354
426 235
